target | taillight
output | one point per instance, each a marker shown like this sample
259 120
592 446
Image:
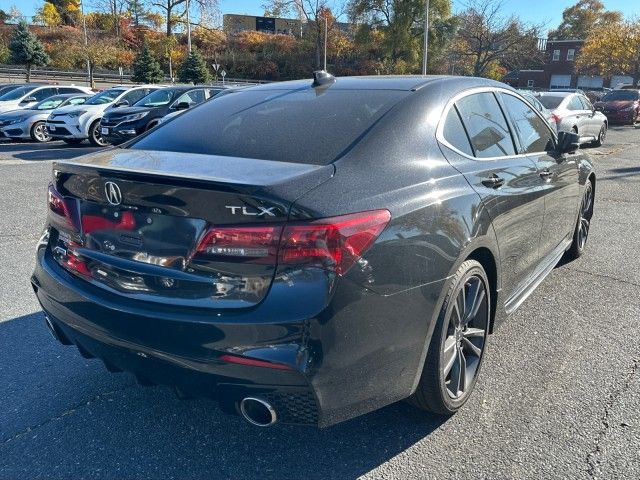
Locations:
61 208
334 243
555 118
241 244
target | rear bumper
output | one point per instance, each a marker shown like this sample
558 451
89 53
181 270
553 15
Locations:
345 351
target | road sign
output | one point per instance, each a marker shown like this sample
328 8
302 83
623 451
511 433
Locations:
215 66
223 73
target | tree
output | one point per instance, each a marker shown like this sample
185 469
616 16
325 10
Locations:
26 49
612 50
48 15
485 38
96 53
580 19
69 10
174 11
146 68
194 69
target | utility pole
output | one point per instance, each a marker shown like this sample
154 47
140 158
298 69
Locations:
188 29
325 42
425 47
86 43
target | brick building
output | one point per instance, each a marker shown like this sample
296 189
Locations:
558 70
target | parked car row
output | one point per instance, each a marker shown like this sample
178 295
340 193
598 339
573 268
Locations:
74 114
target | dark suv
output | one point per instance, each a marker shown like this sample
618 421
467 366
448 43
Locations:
121 124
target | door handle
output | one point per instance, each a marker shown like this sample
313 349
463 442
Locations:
546 174
493 181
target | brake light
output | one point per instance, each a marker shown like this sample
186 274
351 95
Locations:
555 118
335 243
61 208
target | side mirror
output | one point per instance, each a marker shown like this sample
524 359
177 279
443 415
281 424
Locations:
568 142
122 103
182 106
29 100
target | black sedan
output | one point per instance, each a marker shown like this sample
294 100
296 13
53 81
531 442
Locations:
121 124
307 252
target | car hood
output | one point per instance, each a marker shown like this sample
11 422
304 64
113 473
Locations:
122 111
7 105
615 104
10 115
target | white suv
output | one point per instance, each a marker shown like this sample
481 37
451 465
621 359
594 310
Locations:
73 124
28 95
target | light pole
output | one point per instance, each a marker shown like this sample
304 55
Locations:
325 42
188 29
425 46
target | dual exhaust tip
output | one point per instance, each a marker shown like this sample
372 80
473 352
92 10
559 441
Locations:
258 411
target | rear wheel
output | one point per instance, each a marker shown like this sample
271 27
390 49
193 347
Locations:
95 136
72 141
39 132
458 342
581 232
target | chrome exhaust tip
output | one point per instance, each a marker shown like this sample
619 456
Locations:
55 333
258 412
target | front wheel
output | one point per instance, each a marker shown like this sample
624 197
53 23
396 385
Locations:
581 232
458 343
95 135
39 132
601 136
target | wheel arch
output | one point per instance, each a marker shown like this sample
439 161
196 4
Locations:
486 258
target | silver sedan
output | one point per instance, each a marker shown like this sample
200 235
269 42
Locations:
573 112
29 123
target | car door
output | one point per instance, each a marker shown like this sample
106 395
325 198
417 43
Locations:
590 114
579 117
478 142
558 173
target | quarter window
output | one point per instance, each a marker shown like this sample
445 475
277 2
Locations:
533 133
575 103
453 132
486 125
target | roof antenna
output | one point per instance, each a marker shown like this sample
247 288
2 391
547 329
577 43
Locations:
322 78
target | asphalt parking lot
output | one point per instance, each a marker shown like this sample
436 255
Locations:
559 395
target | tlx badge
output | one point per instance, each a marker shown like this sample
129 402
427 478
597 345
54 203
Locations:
245 211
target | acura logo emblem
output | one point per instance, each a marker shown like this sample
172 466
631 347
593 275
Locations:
113 193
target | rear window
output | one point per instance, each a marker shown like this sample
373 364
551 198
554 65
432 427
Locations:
301 126
551 102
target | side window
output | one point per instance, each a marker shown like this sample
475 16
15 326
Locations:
532 131
134 95
453 132
43 93
192 97
486 125
575 103
586 104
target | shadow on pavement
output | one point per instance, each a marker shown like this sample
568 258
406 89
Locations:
66 415
45 151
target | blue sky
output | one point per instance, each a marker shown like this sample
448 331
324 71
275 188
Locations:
536 11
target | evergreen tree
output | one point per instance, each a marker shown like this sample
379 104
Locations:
146 68
26 49
194 69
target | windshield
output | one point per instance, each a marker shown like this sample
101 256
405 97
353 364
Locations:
551 102
49 103
8 88
157 98
620 95
16 94
271 125
102 98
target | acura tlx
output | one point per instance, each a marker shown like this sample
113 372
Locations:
309 251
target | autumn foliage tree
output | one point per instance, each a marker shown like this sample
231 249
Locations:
612 50
581 19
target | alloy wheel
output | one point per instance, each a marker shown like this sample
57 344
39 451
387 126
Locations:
603 135
466 336
97 135
41 133
586 211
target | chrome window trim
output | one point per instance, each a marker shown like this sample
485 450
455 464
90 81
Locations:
472 91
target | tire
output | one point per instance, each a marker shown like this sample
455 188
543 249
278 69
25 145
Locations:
581 231
95 137
39 133
439 388
601 136
72 141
